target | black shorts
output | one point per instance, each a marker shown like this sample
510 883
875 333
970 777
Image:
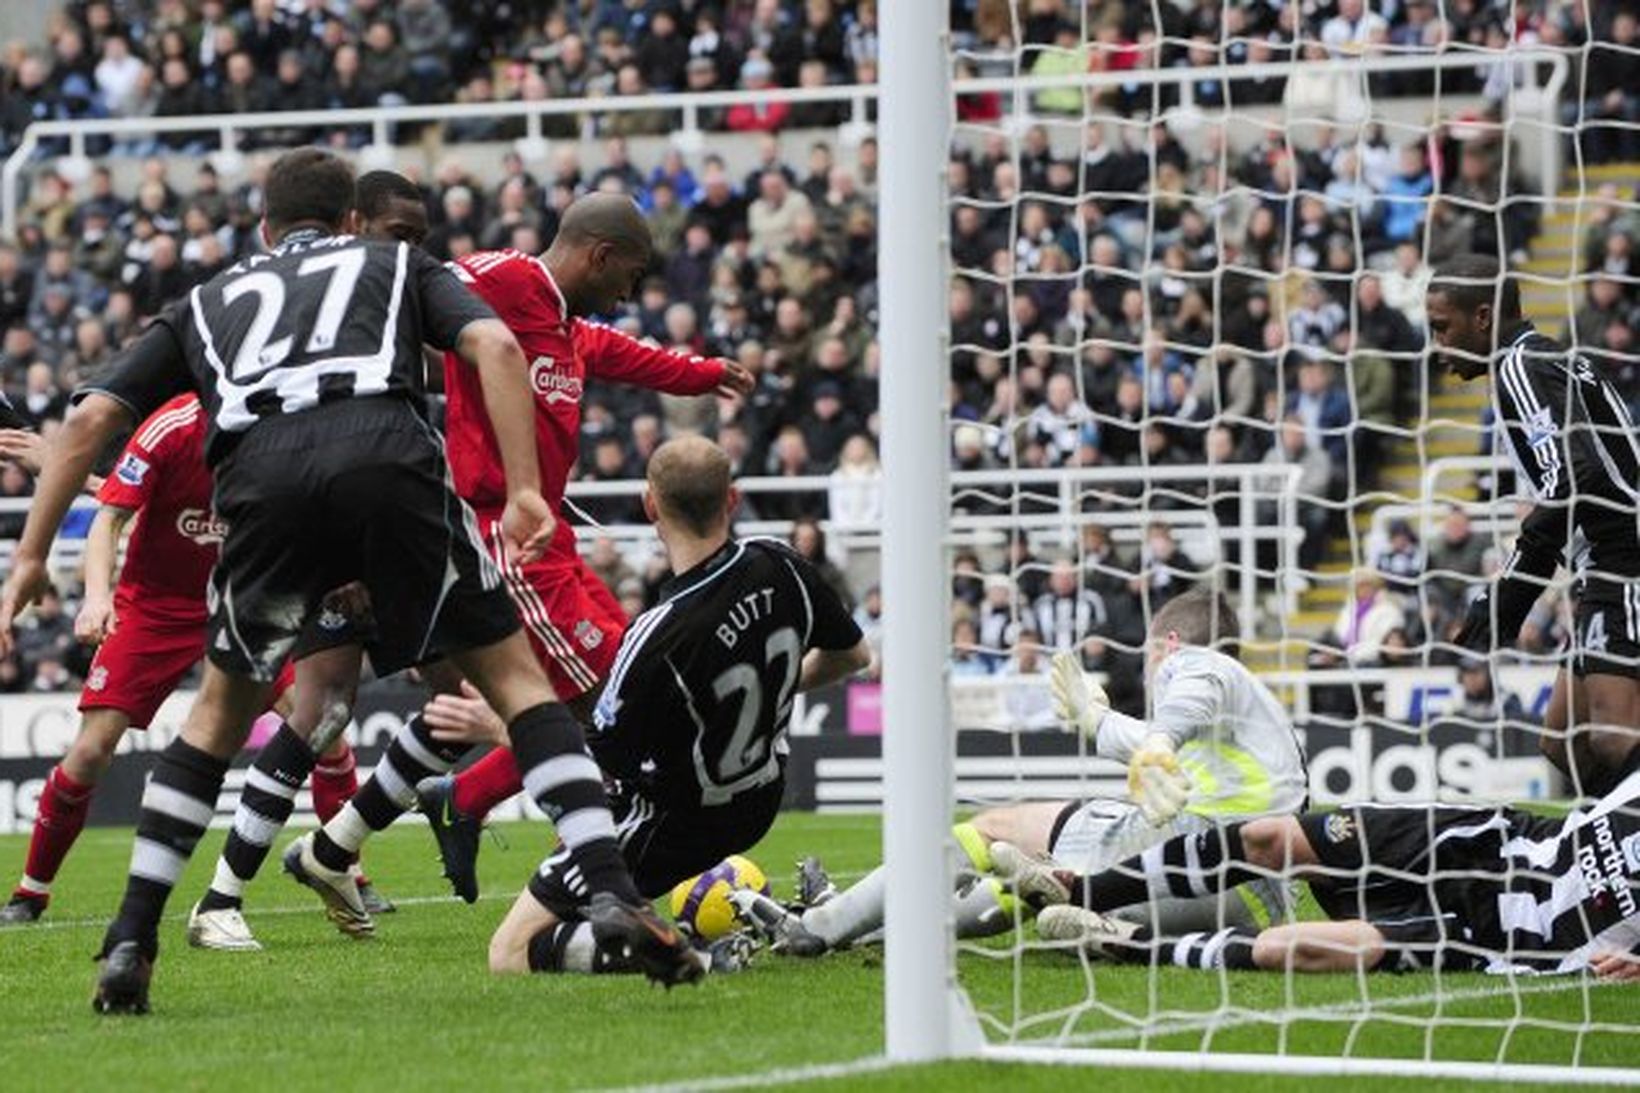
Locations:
352 490
663 846
1606 632
331 630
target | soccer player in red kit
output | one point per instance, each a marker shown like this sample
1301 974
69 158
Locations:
573 622
149 628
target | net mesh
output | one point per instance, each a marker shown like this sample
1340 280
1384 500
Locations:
1188 350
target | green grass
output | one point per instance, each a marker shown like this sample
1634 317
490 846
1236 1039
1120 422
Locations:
415 1009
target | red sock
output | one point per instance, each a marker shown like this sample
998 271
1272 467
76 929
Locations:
335 781
63 805
487 783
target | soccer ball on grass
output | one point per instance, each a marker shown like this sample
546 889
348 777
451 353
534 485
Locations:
701 904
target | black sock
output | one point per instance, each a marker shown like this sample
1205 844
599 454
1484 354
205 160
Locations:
560 776
1230 948
1183 867
264 806
177 806
551 951
413 755
390 791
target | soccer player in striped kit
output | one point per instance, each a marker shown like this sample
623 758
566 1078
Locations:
308 364
1407 887
1568 432
573 622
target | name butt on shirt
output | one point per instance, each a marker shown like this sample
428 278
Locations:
743 613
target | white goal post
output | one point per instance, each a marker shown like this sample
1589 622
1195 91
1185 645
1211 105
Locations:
927 1013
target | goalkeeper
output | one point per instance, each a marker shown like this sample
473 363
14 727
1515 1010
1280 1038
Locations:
1406 888
1219 747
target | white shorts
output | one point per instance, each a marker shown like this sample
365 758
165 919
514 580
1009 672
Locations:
1094 835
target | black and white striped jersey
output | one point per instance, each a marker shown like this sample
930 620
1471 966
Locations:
319 318
697 706
1569 434
1548 893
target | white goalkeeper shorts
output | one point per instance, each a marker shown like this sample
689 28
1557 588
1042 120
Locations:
1094 835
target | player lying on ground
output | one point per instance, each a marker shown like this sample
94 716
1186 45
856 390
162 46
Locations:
388 207
1571 439
326 473
1218 746
692 726
571 619
149 627
1406 887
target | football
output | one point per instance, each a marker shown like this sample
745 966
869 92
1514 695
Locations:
701 904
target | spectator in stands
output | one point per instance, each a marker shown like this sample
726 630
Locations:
809 541
1067 614
1406 198
1063 423
1317 319
1164 570
968 659
161 279
764 115
1315 481
997 618
1369 615
1602 305
1380 325
772 218
1611 102
855 494
868 616
1324 408
384 66
1456 561
606 561
1479 703
1401 560
789 458
45 644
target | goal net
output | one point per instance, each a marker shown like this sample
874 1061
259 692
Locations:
1184 254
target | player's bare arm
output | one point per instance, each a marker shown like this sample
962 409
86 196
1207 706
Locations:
88 430
102 545
491 348
823 666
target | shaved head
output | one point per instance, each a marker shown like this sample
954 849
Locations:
606 218
602 250
689 479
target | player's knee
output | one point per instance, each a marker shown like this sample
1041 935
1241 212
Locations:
509 954
994 825
89 756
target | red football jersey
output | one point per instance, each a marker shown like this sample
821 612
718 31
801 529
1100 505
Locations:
563 353
175 538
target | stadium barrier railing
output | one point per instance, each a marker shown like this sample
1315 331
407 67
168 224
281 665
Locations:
1201 534
1537 94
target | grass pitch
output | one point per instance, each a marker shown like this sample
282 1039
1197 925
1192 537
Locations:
415 1008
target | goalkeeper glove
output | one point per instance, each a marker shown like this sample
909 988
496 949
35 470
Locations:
1077 700
1155 782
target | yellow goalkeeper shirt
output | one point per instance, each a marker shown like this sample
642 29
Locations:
1233 738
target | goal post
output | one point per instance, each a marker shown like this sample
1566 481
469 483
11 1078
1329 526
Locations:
919 989
933 1007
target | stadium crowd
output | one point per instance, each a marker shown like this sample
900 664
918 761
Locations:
1138 302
